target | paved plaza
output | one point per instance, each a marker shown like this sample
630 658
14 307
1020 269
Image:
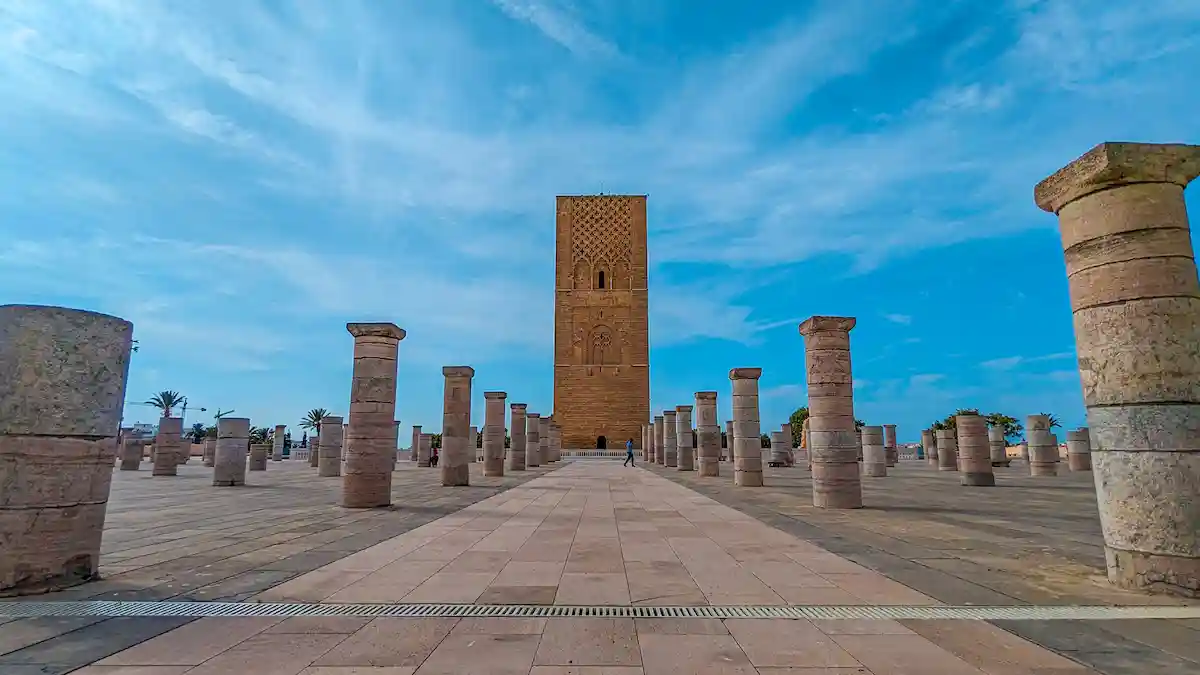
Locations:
592 533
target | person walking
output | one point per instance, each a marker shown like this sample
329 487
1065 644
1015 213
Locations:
628 453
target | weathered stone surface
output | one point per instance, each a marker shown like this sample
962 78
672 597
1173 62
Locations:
229 457
416 446
1043 446
517 442
457 452
425 450
974 451
670 439
493 432
533 439
686 453
660 440
474 447
329 462
167 446
62 388
727 447
208 458
874 452
314 451
708 434
1079 450
277 442
131 453
544 440
747 429
947 445
929 445
997 446
889 444
259 453
369 438
835 447
780 451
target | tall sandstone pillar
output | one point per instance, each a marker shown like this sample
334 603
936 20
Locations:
835 448
929 445
686 458
277 440
1136 305
708 434
874 452
367 475
457 455
660 440
62 392
314 449
779 449
425 450
493 432
210 450
997 446
416 443
329 463
974 452
555 442
747 441
1043 446
474 444
544 440
258 456
889 444
947 444
168 445
728 453
533 439
131 453
645 445
670 439
229 458
1079 450
516 441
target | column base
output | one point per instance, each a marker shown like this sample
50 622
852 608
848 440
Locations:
977 479
131 466
1043 469
1167 574
947 468
228 483
710 468
456 476
875 470
748 478
1079 462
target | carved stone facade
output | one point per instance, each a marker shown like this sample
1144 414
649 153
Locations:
601 334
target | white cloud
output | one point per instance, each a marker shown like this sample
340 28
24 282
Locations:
1010 362
902 319
557 23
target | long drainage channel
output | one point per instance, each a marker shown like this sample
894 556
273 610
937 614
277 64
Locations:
241 609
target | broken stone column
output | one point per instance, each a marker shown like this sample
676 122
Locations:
789 443
370 439
874 452
746 440
947 445
533 439
1079 450
168 446
493 432
779 449
424 450
727 451
929 445
1136 304
277 443
329 462
556 442
685 453
517 440
1043 446
314 448
834 444
475 450
889 444
974 452
457 451
229 458
416 443
998 446
208 457
258 456
61 396
708 434
660 440
670 439
131 453
544 440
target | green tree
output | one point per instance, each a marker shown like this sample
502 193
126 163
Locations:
197 432
312 420
1053 420
858 424
765 440
165 401
949 423
1012 428
796 422
436 441
210 432
259 435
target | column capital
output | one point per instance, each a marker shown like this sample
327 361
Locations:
380 329
333 419
745 373
1111 165
518 406
458 371
683 408
495 395
706 396
821 324
533 415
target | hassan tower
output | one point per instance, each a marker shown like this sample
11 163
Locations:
601 317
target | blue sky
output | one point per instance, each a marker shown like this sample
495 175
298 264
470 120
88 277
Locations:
239 179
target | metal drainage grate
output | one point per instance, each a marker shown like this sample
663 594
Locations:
241 609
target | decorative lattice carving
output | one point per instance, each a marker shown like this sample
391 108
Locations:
600 231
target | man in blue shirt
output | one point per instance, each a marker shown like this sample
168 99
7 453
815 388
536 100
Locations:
628 453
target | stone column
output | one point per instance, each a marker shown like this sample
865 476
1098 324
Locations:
889 444
210 451
131 454
229 458
555 442
874 451
457 451
834 445
929 445
727 454
947 444
1136 304
544 440
61 397
685 457
746 441
329 462
314 449
493 432
660 440
1043 446
367 475
786 428
779 449
395 442
670 439
424 450
644 444
974 453
997 446
533 439
416 443
1079 450
277 443
167 446
474 450
709 434
516 441
258 456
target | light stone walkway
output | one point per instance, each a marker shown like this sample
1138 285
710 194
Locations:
589 533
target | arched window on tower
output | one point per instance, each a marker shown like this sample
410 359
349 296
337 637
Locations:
601 283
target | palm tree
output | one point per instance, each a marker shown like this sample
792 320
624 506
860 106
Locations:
260 435
198 432
1053 420
165 400
312 419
